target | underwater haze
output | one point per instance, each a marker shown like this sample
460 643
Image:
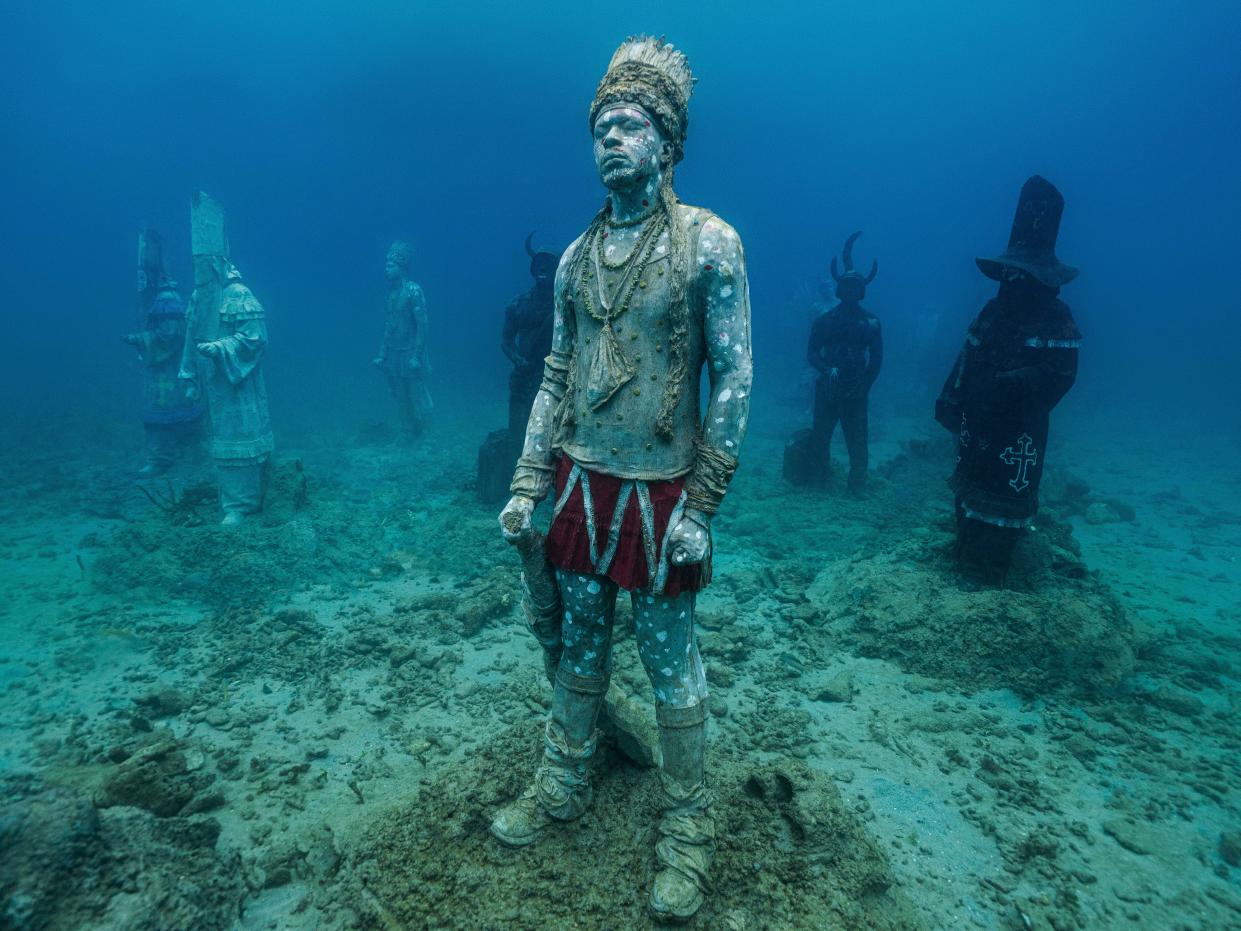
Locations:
310 720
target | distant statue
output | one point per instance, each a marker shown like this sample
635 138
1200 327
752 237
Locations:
403 352
1019 360
846 352
225 341
526 340
170 417
652 292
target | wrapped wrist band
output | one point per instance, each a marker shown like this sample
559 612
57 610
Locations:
713 470
531 479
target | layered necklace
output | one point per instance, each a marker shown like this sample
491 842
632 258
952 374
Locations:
609 369
632 267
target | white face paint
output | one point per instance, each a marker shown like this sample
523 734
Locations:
627 148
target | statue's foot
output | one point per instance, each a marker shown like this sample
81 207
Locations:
232 519
675 898
520 823
684 852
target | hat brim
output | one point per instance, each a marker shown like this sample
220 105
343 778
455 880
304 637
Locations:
1055 275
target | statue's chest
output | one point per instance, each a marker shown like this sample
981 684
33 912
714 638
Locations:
623 332
633 301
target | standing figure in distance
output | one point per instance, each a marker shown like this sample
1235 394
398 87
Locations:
403 353
648 295
525 340
1019 360
846 349
225 341
170 417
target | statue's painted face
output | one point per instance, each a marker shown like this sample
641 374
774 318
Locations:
628 146
392 269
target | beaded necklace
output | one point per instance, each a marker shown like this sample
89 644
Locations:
615 224
634 264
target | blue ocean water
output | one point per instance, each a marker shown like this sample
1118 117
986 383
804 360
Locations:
328 130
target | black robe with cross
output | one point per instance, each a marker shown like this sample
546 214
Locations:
1019 360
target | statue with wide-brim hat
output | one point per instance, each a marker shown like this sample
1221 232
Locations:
1032 242
1018 361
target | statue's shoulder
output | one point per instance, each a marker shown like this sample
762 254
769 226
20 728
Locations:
411 290
708 229
567 259
237 301
1063 321
570 253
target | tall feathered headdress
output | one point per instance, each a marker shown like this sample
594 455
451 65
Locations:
656 76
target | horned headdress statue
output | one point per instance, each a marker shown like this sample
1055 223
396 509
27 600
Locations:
852 281
542 263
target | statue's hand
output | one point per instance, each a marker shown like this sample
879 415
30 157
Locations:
515 518
209 349
191 391
378 360
690 543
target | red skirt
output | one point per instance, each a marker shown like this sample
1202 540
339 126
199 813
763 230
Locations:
632 557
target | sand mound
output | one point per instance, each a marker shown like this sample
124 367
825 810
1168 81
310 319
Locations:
791 855
1053 627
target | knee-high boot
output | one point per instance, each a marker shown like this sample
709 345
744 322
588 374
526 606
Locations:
686 845
561 788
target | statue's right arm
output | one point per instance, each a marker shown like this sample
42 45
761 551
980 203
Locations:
814 347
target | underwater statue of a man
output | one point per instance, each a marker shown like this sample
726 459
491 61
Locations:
225 341
648 295
170 417
526 339
1019 360
846 351
403 353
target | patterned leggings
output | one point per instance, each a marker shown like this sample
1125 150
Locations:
664 627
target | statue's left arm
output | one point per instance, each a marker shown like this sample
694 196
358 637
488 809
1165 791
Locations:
1049 360
239 352
418 308
724 291
874 353
166 339
1046 379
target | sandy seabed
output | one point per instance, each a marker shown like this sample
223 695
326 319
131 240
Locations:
308 722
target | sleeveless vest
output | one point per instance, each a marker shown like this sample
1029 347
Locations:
618 436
